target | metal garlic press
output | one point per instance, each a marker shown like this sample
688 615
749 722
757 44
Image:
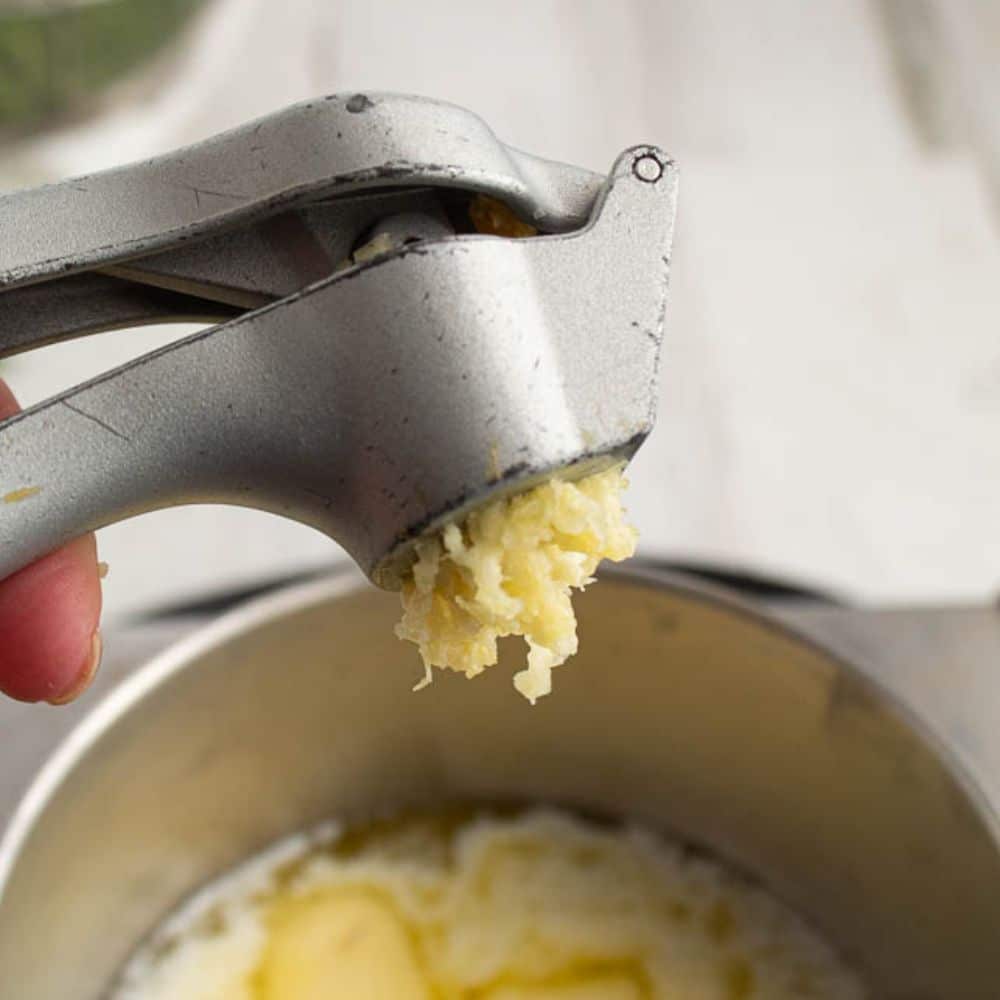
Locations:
378 366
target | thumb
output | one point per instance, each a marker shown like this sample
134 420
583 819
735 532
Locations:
50 645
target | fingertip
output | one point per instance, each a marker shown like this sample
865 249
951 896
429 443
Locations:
86 674
49 613
8 401
49 616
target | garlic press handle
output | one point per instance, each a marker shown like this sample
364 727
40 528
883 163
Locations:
378 403
321 149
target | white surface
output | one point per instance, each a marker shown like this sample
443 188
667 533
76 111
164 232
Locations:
831 398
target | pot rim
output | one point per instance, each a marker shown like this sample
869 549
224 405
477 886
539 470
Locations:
184 653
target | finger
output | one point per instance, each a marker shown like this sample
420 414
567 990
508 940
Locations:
50 645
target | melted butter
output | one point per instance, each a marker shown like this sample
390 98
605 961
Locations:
340 944
468 906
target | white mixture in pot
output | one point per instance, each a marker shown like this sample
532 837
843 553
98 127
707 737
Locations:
534 906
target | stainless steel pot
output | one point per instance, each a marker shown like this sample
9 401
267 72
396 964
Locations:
683 709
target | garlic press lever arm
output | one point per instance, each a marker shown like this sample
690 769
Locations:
250 215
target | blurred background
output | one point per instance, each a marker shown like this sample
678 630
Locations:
830 406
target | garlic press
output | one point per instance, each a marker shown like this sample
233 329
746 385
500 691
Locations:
376 367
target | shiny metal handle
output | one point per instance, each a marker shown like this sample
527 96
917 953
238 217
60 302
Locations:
379 402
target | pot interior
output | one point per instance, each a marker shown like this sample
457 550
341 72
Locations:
681 711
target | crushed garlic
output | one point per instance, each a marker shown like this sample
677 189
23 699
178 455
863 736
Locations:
509 570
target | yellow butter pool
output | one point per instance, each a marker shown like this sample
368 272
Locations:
520 907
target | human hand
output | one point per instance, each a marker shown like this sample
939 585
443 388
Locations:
50 645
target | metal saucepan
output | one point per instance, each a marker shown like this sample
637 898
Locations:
683 710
